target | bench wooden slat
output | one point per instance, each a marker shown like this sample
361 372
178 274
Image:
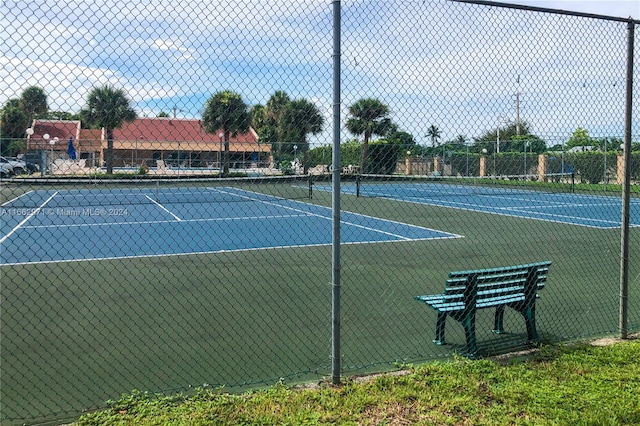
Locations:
504 268
449 307
499 301
466 291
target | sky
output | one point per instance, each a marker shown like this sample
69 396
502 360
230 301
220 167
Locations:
619 8
462 67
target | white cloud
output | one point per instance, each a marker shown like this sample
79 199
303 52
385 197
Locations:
433 62
66 85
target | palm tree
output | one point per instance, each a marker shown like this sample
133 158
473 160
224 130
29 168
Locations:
108 108
434 133
270 129
276 105
370 117
226 111
33 102
297 120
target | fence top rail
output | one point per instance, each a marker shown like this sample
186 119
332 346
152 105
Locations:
548 10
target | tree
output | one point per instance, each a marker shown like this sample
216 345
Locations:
33 102
13 122
509 139
276 105
434 133
266 121
403 139
580 137
296 121
163 114
18 114
226 111
460 141
368 117
108 108
384 153
12 103
528 143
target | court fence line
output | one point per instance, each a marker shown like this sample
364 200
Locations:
192 242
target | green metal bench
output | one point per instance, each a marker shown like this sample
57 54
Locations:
467 291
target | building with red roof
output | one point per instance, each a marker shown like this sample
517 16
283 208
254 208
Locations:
176 142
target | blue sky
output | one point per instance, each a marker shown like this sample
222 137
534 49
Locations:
457 66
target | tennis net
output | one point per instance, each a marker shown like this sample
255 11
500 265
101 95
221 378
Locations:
424 187
147 191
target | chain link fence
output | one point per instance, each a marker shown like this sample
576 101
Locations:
166 219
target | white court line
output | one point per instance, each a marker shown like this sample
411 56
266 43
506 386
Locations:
33 213
345 222
150 222
163 208
14 199
500 212
151 256
531 212
300 213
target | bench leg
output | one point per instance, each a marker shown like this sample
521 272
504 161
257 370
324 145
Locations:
469 324
498 327
440 323
529 315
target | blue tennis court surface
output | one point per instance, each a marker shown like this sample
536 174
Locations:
597 211
44 226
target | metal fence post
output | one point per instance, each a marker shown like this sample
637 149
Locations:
624 251
335 311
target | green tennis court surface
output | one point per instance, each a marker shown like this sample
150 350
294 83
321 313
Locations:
488 195
175 322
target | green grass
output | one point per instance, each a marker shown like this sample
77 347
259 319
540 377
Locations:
560 385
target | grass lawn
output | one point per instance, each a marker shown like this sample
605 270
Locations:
561 384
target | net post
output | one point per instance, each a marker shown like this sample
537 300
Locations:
310 182
573 182
358 185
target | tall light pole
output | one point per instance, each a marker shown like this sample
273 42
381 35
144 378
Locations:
46 140
467 145
562 162
220 136
604 176
52 143
526 147
501 120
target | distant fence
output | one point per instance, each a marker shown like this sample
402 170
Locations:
169 221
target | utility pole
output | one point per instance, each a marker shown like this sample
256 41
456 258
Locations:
175 110
518 113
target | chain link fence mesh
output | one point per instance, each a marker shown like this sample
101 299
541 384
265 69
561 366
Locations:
166 188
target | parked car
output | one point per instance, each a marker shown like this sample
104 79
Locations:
11 167
5 170
32 161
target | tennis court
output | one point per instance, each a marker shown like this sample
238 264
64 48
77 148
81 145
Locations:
596 211
172 285
90 224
